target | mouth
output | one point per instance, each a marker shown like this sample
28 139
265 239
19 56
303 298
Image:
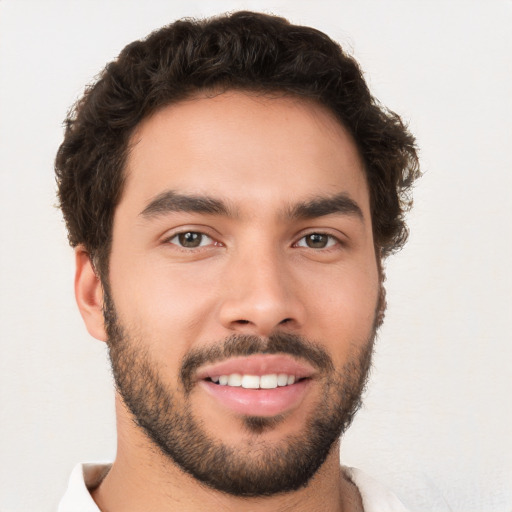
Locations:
260 385
268 381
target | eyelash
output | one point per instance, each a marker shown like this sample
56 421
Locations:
190 232
332 241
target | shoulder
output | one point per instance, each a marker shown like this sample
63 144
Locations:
84 477
375 497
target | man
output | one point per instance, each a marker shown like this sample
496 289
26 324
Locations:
231 189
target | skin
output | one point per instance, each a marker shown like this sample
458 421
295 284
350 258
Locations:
253 274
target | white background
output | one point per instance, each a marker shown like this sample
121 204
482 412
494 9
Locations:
437 421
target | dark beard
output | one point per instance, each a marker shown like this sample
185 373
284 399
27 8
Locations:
259 468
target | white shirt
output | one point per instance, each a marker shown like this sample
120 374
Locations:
77 498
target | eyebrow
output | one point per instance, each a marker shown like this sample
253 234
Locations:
321 206
171 201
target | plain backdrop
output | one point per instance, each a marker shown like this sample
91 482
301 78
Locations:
437 421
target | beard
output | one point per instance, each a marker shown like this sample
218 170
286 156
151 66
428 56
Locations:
259 467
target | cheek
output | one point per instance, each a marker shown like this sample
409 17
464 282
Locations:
344 310
164 302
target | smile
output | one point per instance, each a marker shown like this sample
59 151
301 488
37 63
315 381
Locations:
259 385
269 381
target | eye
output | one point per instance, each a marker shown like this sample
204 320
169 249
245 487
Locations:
317 241
191 240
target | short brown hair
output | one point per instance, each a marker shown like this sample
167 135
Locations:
246 51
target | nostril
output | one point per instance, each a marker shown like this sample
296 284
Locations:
242 322
286 320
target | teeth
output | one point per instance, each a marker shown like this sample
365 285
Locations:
282 379
270 381
235 380
250 382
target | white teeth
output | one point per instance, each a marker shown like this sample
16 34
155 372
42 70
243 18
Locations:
250 382
282 379
270 381
235 379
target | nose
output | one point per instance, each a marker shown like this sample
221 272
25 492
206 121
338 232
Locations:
260 295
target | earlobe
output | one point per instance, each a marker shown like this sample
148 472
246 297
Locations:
89 294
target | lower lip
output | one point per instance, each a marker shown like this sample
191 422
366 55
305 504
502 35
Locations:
258 402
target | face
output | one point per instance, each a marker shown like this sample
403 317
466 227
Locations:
243 288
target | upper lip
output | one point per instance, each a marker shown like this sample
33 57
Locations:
259 364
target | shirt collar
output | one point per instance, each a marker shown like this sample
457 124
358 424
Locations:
83 477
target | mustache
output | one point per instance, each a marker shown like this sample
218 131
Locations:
240 345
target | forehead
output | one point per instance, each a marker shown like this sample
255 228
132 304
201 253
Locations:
251 149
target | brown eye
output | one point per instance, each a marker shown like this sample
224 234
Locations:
191 239
316 241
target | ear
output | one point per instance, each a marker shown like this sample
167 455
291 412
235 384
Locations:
89 294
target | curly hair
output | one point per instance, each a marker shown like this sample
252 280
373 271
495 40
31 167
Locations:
244 51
